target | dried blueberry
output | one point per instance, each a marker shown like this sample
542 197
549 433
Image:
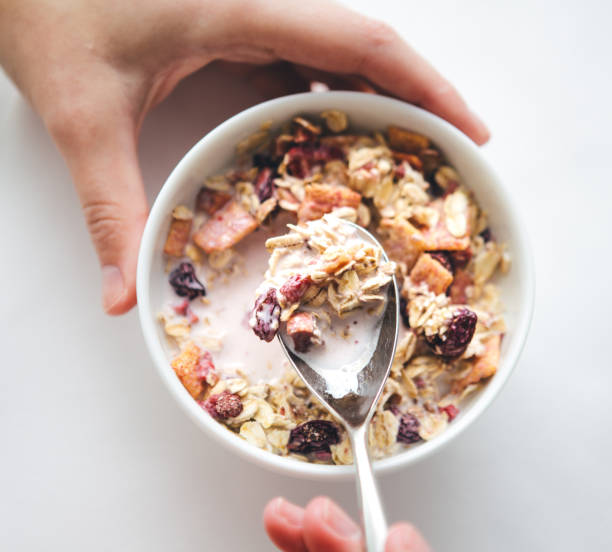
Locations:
185 282
313 436
408 431
454 341
223 405
265 319
264 185
404 312
295 287
486 234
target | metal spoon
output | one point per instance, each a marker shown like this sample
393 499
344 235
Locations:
355 410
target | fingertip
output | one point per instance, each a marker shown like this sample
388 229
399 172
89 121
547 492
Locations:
117 297
283 521
404 537
327 527
480 133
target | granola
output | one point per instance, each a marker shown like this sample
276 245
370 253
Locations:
311 170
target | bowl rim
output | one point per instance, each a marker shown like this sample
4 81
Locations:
292 466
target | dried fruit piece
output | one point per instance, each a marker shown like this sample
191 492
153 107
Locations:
295 287
223 405
313 436
178 234
301 159
460 331
264 185
302 328
185 282
438 237
450 410
410 158
408 431
435 275
484 366
265 319
210 201
401 240
186 367
320 199
458 289
226 228
406 141
486 235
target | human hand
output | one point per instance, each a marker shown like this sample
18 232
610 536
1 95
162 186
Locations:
93 69
323 527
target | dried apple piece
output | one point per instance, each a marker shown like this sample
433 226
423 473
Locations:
320 199
402 241
484 366
431 271
210 201
225 228
178 234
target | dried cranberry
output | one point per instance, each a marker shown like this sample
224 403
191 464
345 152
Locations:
185 283
305 156
313 436
266 315
486 235
182 307
408 431
295 287
403 305
224 405
451 411
443 258
264 185
454 341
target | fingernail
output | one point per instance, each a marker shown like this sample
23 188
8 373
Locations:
339 522
113 286
292 514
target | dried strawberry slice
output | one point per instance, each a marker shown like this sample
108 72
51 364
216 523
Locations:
223 405
295 287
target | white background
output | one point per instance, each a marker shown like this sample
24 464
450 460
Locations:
94 453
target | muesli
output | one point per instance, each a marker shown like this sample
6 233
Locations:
399 186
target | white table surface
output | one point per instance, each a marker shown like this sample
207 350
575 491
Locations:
95 454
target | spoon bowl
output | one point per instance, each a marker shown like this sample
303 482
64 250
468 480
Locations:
355 409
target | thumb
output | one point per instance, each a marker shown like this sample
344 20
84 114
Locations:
100 150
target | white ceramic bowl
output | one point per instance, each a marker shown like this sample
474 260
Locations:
215 152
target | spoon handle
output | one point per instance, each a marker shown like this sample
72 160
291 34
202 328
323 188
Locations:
372 513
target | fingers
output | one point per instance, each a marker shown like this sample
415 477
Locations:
328 528
284 523
403 537
346 42
99 147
